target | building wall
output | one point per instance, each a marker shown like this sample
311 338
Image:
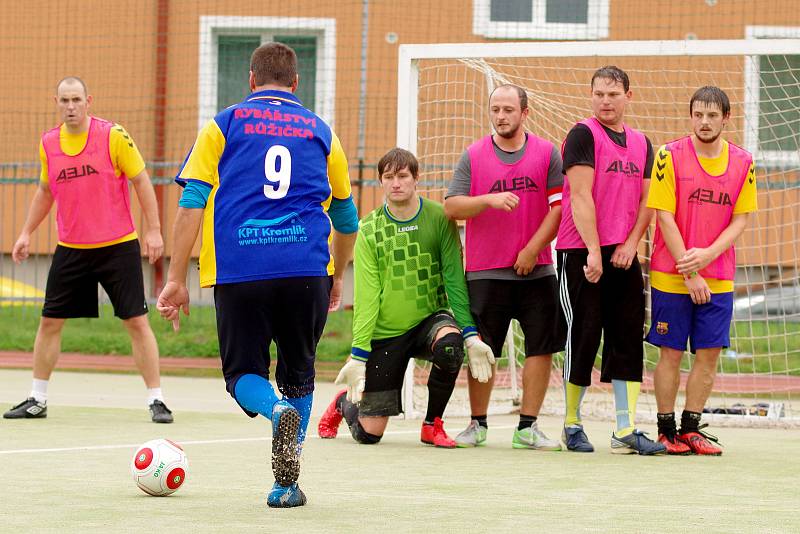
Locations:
113 47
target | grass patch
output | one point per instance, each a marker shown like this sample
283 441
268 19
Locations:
196 339
756 347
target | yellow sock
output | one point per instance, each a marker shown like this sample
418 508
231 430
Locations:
625 396
574 397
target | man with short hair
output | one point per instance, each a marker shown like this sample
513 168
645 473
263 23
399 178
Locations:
703 189
607 165
267 178
87 163
408 277
511 182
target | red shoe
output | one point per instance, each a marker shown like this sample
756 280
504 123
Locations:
328 425
435 435
699 442
674 445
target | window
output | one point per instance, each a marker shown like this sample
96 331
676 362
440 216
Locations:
226 44
540 19
772 102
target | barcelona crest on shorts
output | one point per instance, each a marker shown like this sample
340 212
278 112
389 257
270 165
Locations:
662 328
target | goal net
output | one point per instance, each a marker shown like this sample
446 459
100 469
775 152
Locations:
443 98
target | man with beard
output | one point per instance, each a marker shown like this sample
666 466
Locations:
510 182
703 189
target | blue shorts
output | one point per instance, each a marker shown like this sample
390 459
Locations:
676 318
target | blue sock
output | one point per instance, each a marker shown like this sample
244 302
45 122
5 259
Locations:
625 395
256 394
302 405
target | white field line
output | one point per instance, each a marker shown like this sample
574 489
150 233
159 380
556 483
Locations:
184 442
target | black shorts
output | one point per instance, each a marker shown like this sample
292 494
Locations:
612 308
290 311
74 275
534 303
388 361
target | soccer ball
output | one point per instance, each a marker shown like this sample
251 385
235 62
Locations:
159 467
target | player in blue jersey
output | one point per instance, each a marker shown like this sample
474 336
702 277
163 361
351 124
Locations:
267 179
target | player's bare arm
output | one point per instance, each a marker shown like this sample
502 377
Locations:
40 207
153 241
466 207
581 179
625 252
527 257
342 252
175 295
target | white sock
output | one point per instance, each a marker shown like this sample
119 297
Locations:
154 394
39 390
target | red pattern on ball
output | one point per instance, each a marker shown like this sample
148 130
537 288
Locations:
143 458
175 478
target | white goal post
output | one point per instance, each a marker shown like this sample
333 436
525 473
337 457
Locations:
442 99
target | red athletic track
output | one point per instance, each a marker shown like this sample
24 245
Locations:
724 383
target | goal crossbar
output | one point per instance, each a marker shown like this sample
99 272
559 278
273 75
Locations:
410 54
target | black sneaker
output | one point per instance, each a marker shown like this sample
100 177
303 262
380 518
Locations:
30 408
159 412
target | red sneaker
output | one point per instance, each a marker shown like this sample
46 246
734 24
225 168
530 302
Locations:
700 442
328 425
674 445
435 435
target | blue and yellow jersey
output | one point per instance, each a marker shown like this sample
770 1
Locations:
273 167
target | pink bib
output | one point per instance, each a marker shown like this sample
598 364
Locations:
495 237
92 203
617 188
703 206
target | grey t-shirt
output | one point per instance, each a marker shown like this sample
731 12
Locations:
461 184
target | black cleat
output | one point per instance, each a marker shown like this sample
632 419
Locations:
159 412
30 408
285 456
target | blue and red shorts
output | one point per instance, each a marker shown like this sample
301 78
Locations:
676 319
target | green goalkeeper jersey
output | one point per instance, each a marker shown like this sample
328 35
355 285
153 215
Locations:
404 272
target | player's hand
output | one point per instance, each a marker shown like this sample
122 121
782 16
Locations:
698 289
153 245
172 299
526 261
336 294
593 269
21 248
694 260
480 358
353 375
503 201
623 256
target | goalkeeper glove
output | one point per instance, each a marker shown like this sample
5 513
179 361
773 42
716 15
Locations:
480 358
353 376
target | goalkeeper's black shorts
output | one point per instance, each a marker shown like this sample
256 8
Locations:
388 361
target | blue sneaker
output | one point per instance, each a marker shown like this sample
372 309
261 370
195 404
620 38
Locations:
285 496
636 443
575 439
285 455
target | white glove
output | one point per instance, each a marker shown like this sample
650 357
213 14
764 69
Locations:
352 375
480 358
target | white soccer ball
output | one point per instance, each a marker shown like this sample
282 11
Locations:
159 467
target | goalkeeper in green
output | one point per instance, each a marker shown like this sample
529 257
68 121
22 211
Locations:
410 301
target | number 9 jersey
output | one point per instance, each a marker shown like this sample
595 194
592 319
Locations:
272 167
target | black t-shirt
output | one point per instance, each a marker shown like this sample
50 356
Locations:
579 148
